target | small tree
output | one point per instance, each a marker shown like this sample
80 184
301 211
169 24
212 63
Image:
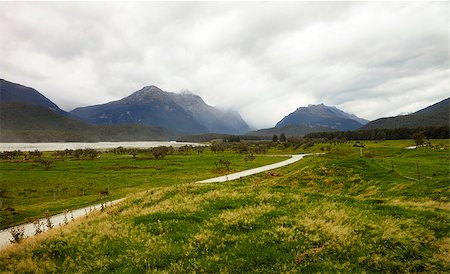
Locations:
48 219
274 138
217 147
36 154
160 152
249 158
38 227
47 164
419 138
223 163
282 137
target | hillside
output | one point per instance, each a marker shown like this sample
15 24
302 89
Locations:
322 116
30 123
336 212
434 115
12 92
153 106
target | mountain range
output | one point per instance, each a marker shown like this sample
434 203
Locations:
148 114
28 116
153 114
184 112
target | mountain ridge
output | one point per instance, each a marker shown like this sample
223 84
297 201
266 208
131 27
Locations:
436 114
14 92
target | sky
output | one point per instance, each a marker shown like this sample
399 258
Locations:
262 59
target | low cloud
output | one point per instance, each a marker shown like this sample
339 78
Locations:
261 59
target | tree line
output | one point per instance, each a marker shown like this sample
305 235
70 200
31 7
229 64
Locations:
435 132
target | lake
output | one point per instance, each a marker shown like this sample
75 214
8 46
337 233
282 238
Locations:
99 145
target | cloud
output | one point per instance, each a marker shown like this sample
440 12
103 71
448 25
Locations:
262 59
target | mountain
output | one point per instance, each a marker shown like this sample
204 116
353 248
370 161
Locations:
29 123
322 116
289 131
28 116
148 106
215 120
15 93
434 115
153 106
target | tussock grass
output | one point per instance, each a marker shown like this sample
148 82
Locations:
331 213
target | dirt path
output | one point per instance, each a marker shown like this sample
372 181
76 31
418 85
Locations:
234 176
57 220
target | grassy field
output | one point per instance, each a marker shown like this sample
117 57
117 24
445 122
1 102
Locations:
30 188
387 211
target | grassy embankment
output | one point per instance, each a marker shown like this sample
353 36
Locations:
335 212
30 188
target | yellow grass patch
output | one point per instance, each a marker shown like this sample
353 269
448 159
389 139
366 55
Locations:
444 250
310 252
222 194
398 187
244 216
176 204
392 230
425 203
371 191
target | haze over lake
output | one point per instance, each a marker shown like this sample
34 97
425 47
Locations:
99 145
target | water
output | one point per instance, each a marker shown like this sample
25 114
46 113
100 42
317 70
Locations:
99 145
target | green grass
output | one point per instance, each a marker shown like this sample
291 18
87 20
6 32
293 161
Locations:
337 212
31 189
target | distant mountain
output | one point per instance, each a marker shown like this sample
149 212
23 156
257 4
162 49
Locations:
16 93
215 120
289 131
153 106
148 106
322 116
29 123
434 115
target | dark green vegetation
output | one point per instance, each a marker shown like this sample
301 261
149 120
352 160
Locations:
435 115
362 207
208 137
438 132
32 184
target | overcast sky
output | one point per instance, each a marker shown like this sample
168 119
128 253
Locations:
261 59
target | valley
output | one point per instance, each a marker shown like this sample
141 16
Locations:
224 137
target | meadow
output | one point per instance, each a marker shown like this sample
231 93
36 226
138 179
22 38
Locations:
30 187
361 207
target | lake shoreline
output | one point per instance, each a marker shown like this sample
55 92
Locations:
52 146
